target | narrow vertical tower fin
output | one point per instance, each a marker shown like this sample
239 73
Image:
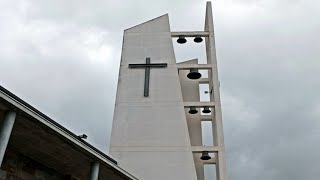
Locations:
215 95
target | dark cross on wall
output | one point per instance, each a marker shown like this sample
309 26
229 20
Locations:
147 67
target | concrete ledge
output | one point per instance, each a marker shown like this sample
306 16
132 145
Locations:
203 80
194 149
190 33
196 66
198 104
199 149
201 117
150 149
211 161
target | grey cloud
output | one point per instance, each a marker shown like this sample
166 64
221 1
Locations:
63 58
275 74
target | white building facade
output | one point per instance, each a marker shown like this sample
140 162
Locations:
156 132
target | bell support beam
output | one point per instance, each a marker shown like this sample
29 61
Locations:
194 149
210 161
202 117
194 66
199 149
5 131
198 104
203 80
190 34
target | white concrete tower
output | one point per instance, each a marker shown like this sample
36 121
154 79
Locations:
154 136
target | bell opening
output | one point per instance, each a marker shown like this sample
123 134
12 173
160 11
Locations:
181 40
206 110
205 155
194 74
198 39
193 110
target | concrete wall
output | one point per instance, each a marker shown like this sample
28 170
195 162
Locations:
155 137
150 135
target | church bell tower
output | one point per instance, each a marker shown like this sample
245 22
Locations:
156 132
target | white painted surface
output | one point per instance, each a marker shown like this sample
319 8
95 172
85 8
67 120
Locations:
215 84
150 135
190 92
155 137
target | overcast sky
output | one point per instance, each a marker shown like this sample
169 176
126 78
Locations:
63 56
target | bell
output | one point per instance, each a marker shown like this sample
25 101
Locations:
206 110
194 74
181 40
198 39
193 110
205 155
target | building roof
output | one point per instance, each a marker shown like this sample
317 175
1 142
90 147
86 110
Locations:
43 139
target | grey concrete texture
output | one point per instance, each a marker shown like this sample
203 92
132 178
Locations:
150 134
160 126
